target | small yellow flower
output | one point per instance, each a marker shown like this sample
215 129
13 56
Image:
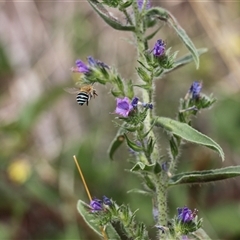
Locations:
19 171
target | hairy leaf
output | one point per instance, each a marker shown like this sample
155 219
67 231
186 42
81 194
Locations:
106 16
140 191
135 147
117 141
188 133
140 167
185 60
200 234
90 219
199 177
186 40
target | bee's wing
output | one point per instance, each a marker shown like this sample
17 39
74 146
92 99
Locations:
72 90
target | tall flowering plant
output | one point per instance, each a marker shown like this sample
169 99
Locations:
138 125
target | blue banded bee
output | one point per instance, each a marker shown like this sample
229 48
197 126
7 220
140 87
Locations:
84 93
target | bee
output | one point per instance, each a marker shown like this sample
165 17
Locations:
84 93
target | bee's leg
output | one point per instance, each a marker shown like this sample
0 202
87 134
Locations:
94 93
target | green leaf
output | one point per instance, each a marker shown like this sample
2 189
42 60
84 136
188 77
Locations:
158 12
119 83
90 219
140 191
125 4
150 146
153 168
111 3
185 60
111 233
149 184
144 86
188 58
184 37
133 145
117 141
116 93
199 177
130 92
188 133
149 130
143 75
106 16
200 234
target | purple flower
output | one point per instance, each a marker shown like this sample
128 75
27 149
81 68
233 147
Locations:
140 4
185 215
135 102
159 48
96 205
195 89
124 107
82 67
107 201
148 105
96 63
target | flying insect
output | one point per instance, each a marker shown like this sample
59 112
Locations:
84 93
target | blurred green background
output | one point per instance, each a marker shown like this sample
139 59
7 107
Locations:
42 127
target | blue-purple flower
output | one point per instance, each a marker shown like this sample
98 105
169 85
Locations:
81 67
124 107
195 89
159 48
186 215
140 4
96 63
135 102
107 201
96 205
147 105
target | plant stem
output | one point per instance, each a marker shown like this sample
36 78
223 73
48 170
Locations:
160 180
161 191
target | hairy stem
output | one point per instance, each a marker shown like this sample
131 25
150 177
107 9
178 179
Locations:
160 180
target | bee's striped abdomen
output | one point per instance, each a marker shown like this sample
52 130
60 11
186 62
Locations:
82 98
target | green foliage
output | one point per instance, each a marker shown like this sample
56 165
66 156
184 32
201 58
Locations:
117 142
149 168
182 61
106 16
164 15
199 177
90 219
188 133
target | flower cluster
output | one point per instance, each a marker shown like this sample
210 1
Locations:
81 67
125 106
99 205
185 215
195 90
140 4
159 48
